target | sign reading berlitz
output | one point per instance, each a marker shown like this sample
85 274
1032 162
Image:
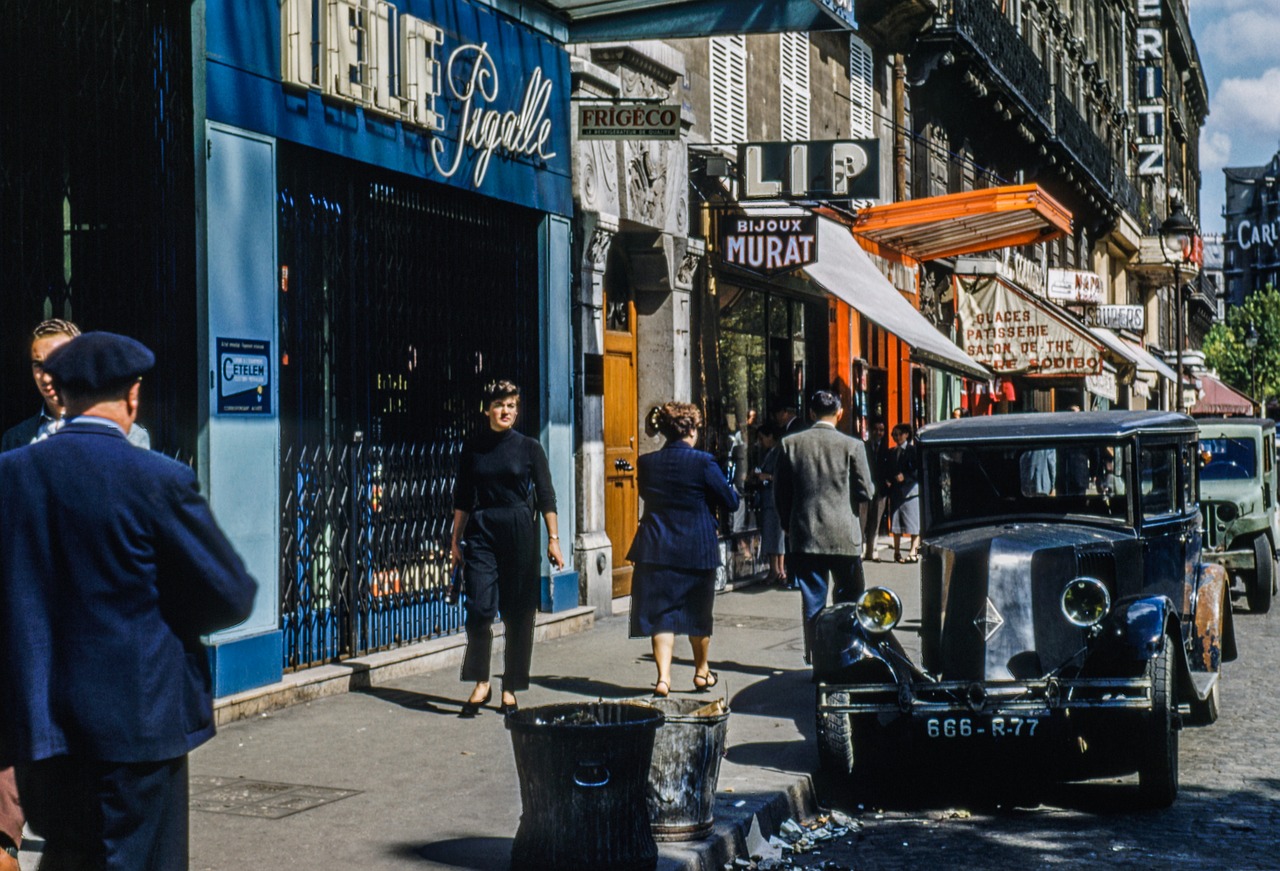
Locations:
629 121
768 246
1012 334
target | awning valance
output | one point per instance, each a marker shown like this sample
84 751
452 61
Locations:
965 223
1150 361
1219 398
846 272
1015 333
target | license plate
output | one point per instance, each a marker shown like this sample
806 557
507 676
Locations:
944 728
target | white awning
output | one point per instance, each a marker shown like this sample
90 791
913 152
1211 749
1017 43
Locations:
1147 360
846 272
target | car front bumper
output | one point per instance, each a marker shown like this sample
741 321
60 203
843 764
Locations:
1029 698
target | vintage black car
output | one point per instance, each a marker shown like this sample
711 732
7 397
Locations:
1068 624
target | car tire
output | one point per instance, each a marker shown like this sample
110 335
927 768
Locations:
1259 583
836 756
1158 747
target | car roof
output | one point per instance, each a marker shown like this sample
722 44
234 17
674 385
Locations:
1224 423
1056 426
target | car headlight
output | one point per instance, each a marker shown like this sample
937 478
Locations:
1228 511
879 609
1086 601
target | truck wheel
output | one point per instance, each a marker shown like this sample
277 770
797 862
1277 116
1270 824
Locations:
1259 582
835 741
1158 751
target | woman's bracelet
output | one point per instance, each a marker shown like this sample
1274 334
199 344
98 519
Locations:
554 537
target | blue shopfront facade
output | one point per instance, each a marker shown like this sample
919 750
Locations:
383 204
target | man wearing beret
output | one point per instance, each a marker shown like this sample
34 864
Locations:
111 570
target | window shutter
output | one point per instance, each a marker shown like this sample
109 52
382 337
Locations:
728 89
861 90
795 87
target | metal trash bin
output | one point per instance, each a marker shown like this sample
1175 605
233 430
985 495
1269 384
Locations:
583 772
686 767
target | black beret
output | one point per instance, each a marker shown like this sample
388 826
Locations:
98 361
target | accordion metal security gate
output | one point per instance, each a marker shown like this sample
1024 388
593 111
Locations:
399 299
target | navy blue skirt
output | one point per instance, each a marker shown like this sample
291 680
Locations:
667 599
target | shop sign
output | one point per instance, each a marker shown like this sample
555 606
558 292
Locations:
244 376
629 121
1117 317
824 169
387 63
1012 334
1249 234
1150 88
1103 384
1074 286
769 246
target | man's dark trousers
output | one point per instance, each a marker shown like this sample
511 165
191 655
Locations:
810 571
108 815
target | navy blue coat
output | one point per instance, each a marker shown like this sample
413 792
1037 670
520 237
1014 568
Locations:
111 568
679 486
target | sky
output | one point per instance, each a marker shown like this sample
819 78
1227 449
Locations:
1238 42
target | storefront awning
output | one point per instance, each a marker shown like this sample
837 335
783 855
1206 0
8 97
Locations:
608 20
1016 333
965 223
846 272
1218 398
1147 360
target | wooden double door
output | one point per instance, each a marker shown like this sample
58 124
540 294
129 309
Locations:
621 429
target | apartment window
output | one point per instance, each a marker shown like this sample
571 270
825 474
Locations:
795 87
728 89
861 90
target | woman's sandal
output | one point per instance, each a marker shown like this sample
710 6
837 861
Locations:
470 708
661 689
703 683
898 559
913 558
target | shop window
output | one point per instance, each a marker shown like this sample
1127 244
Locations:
728 89
795 87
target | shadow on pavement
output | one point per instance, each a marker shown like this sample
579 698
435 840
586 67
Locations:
415 701
480 854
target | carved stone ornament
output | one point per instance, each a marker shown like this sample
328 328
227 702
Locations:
598 248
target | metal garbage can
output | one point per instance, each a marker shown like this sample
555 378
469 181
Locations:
583 771
686 767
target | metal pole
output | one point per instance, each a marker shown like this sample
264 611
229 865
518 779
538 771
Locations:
1177 301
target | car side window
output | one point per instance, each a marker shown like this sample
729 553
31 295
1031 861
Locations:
1187 455
1158 472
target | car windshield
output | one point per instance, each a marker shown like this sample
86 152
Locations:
967 483
1227 459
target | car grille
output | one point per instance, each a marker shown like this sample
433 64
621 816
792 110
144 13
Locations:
1212 535
1099 565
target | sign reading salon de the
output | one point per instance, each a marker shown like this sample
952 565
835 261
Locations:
1012 334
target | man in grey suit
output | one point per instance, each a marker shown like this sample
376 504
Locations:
822 476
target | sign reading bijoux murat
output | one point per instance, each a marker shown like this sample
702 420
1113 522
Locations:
768 246
370 54
1012 334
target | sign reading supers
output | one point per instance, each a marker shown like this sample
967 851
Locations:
243 376
768 246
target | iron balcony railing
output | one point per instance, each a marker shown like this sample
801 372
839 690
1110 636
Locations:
1074 133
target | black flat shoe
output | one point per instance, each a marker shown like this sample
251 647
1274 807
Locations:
506 709
470 708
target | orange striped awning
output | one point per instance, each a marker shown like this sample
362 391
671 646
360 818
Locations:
965 223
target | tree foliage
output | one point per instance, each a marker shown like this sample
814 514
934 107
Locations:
1225 350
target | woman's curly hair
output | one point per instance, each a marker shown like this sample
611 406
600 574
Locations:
676 420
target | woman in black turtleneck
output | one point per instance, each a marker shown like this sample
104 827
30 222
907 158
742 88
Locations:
502 479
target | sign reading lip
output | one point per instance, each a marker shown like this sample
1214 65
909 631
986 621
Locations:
988 620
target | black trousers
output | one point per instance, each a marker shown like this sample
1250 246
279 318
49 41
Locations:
107 816
810 571
872 516
501 577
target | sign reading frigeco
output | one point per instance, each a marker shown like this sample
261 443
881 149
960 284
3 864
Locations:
629 121
1012 334
768 246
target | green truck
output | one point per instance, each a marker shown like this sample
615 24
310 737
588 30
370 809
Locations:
1238 502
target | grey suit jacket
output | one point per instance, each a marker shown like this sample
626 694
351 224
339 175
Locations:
822 476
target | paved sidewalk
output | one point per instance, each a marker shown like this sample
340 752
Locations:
389 777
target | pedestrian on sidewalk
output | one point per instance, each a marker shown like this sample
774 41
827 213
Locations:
503 482
675 550
904 494
772 539
873 512
822 477
113 570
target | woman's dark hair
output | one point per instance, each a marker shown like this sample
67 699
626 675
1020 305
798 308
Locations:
676 420
500 389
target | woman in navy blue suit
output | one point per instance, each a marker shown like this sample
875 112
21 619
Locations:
675 551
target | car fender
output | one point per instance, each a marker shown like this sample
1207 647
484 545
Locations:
843 653
1142 624
1209 644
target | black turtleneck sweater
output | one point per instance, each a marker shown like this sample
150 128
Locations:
497 469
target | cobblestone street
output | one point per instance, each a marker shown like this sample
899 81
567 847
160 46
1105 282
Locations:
1226 815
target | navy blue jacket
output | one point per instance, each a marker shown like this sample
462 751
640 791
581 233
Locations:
111 568
679 486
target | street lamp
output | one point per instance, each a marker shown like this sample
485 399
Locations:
1251 342
1177 244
